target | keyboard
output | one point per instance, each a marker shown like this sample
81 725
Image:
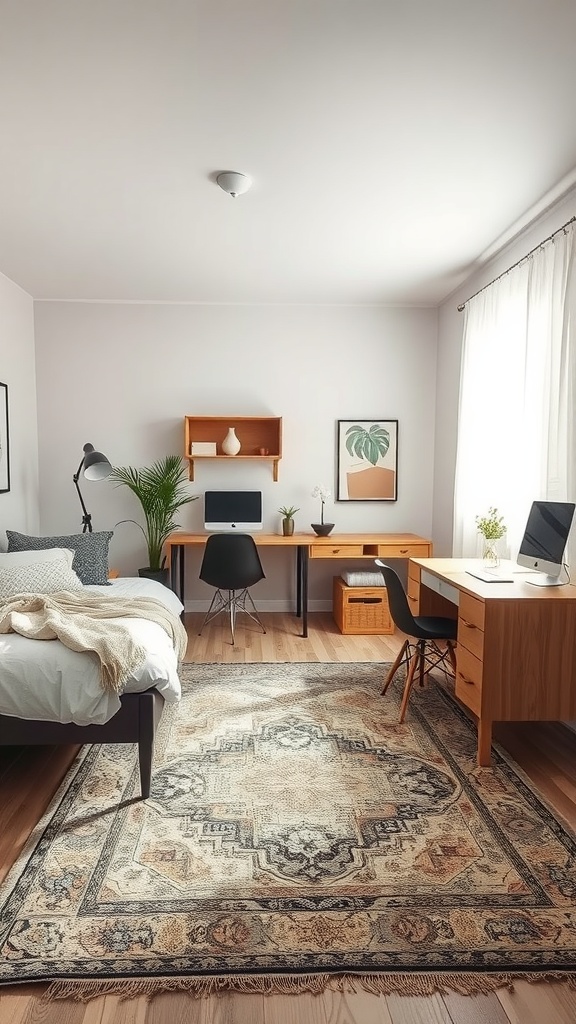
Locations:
489 577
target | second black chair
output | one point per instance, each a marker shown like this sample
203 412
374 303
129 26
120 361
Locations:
427 630
231 563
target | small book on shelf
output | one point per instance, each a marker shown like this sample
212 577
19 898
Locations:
203 448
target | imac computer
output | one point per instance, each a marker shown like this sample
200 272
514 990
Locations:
544 541
233 510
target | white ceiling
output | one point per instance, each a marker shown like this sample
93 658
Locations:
390 143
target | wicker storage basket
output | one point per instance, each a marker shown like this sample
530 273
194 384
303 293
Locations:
361 609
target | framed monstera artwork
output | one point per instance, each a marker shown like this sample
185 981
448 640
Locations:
367 460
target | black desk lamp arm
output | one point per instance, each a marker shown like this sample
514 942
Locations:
86 518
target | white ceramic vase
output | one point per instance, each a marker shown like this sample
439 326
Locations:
231 444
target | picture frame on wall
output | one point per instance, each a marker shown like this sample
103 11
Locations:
4 441
367 460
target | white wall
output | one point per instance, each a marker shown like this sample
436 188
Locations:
123 376
19 506
450 328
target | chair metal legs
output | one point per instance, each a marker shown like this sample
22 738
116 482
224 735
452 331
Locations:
232 601
238 604
424 655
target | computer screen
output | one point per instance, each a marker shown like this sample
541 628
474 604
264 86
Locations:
233 510
545 539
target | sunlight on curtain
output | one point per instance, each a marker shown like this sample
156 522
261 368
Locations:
517 422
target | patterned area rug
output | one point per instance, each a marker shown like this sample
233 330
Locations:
296 837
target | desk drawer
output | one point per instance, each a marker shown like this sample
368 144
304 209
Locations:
338 551
472 610
468 686
439 586
413 571
471 625
403 550
413 595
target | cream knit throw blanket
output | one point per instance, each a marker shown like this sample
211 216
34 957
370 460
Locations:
80 622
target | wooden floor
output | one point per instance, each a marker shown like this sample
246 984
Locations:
546 752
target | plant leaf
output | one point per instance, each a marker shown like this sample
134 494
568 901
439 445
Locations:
369 445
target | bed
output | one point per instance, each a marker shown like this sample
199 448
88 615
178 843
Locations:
50 694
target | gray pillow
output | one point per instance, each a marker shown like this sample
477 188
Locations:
90 552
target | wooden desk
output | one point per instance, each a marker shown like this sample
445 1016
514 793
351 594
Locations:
516 650
307 546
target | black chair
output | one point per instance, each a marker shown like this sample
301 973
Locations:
427 630
231 563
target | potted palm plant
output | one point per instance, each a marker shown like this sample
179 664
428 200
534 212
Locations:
160 489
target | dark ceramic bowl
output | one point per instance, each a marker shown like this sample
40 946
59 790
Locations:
322 529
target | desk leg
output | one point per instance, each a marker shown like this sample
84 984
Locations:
299 581
173 556
181 550
304 550
484 754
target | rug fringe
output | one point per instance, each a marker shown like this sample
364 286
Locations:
404 984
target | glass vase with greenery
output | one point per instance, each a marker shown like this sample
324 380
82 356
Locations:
492 528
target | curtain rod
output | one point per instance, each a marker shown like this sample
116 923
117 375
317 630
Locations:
518 262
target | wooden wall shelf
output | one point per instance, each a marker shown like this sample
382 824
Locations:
253 432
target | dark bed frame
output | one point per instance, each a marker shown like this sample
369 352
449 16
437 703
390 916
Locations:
135 722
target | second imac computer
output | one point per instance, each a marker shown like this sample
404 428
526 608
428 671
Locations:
544 541
233 511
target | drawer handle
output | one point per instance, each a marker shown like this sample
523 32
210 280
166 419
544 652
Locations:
469 682
335 551
470 625
403 551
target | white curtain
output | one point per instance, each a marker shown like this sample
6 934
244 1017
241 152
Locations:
517 421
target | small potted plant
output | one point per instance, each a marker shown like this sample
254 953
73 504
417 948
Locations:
288 512
492 528
322 528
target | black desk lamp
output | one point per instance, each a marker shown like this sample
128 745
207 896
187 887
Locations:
94 466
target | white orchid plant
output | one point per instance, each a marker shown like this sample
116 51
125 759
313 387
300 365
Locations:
322 492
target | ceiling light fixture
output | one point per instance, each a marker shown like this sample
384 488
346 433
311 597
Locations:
234 183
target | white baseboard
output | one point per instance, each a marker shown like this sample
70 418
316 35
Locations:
265 606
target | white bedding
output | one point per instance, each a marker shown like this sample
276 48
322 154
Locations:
43 679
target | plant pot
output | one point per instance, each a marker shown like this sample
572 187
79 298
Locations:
161 575
287 527
374 483
322 529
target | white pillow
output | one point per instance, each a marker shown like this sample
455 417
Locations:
45 577
12 559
